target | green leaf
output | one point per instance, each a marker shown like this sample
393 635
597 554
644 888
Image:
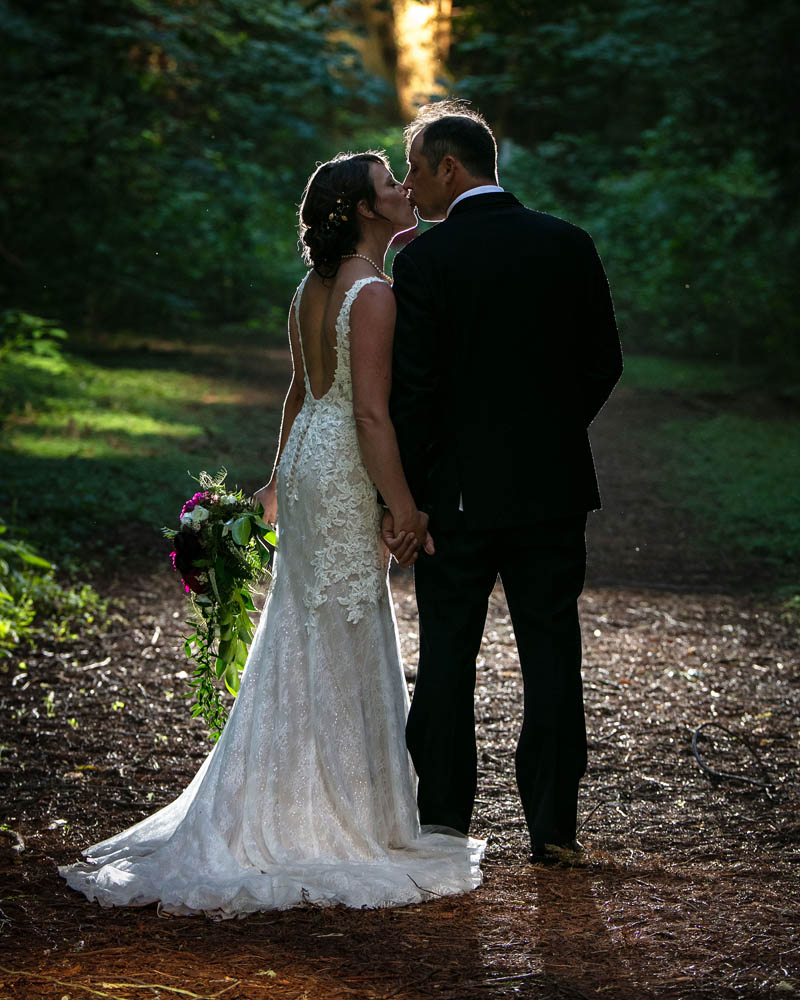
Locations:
232 679
33 560
241 530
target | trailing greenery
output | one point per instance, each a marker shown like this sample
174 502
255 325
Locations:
221 550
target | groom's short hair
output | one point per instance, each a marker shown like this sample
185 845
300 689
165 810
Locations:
452 128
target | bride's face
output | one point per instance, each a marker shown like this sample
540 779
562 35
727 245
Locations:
391 199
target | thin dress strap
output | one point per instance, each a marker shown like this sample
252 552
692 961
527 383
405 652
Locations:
300 288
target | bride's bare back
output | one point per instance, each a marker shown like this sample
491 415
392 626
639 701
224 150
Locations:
320 306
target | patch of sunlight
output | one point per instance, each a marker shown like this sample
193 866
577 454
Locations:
77 423
422 38
55 365
23 442
155 384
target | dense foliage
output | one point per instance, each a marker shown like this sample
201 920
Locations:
154 152
666 130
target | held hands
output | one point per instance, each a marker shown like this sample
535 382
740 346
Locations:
267 496
406 537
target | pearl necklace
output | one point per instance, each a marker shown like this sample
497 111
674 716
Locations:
369 260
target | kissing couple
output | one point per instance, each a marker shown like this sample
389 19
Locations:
442 417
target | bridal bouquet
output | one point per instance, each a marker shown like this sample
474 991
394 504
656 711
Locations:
220 551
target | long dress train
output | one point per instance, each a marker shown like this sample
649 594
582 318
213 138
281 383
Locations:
309 794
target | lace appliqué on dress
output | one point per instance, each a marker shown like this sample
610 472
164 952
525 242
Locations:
348 562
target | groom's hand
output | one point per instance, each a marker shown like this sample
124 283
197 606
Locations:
405 545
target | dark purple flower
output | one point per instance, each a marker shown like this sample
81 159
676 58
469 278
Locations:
187 551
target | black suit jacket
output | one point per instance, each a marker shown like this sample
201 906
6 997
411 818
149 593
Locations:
505 350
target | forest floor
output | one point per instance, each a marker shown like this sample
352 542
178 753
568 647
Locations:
690 888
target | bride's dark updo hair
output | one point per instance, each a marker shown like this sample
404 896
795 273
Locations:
329 226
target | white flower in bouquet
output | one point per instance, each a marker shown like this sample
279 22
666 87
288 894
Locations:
195 517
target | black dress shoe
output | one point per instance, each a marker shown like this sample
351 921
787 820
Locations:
542 857
569 854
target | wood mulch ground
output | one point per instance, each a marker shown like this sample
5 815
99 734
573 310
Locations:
691 887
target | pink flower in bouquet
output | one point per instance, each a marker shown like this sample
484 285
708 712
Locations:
196 499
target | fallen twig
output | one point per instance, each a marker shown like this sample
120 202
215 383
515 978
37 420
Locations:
726 774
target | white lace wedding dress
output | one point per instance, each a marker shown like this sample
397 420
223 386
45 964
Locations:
309 794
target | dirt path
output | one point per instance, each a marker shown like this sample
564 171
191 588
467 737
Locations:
692 887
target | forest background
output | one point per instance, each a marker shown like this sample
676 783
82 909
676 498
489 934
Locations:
153 154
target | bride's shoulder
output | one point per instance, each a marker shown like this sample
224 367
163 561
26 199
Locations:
373 302
372 290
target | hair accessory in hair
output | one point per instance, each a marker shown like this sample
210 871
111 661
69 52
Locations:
338 216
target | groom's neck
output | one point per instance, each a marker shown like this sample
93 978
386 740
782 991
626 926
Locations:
468 183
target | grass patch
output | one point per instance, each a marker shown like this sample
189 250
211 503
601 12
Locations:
680 375
736 472
34 602
743 477
97 442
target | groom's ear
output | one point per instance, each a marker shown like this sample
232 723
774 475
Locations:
447 167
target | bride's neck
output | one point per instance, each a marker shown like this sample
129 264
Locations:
375 248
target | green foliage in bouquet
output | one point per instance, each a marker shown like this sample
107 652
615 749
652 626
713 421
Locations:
221 551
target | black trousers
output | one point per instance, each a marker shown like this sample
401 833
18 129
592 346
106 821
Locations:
542 567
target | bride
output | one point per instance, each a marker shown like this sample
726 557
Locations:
308 797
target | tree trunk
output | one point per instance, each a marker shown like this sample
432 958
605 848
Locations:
422 42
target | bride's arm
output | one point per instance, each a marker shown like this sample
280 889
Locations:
371 336
267 495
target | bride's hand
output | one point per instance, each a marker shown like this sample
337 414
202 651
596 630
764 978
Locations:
405 545
401 544
267 496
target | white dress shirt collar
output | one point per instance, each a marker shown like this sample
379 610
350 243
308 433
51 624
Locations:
481 189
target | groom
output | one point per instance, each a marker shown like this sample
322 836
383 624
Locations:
505 350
